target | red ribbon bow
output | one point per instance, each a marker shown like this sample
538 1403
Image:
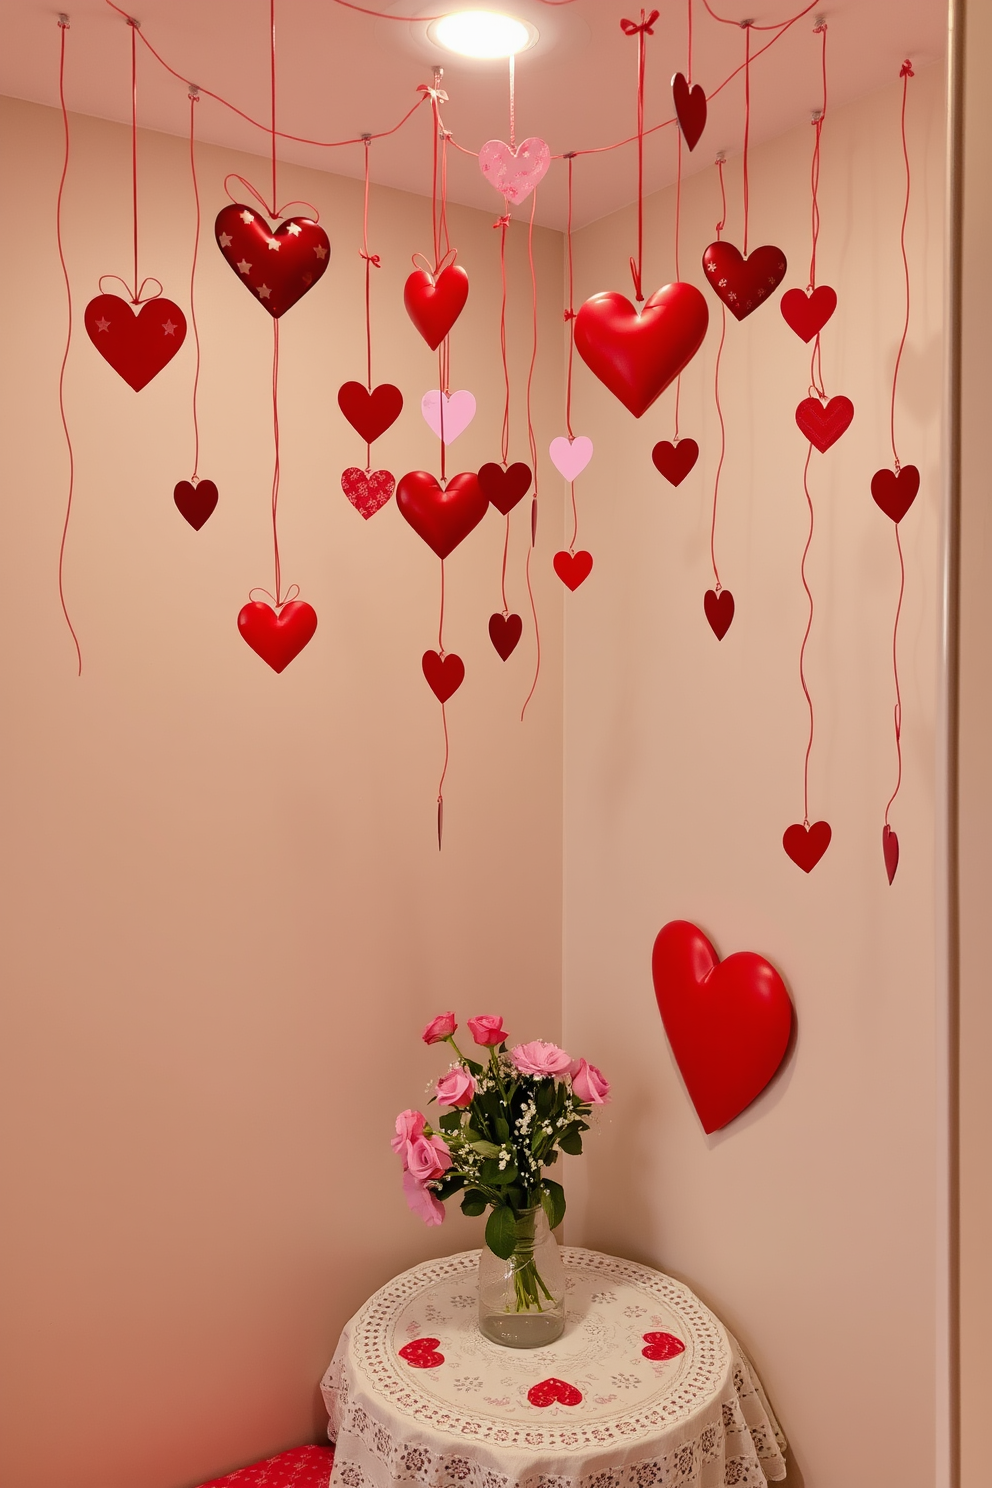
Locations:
502 221
631 28
373 258
906 70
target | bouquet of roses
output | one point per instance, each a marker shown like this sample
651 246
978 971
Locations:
505 1122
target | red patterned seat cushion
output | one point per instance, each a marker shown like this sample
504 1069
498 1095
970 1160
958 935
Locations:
301 1467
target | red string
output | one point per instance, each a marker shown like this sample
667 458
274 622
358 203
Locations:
905 74
506 549
747 121
440 784
575 518
570 311
275 465
193 100
435 129
502 224
134 152
678 273
809 627
532 443
688 76
537 636
444 192
815 167
644 29
440 618
897 710
513 118
370 259
716 388
63 28
440 406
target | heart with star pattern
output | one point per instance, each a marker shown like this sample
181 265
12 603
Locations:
137 341
278 267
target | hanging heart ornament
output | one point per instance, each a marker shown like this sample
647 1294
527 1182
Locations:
805 845
445 674
442 516
719 611
137 342
636 354
504 488
728 1022
514 173
570 456
807 314
824 422
890 852
367 490
743 283
675 460
894 491
573 568
434 303
690 109
196 503
277 637
278 267
370 412
504 632
448 414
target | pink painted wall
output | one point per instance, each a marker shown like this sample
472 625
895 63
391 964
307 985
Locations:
810 1225
224 915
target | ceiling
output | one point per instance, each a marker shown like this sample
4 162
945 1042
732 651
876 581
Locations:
341 73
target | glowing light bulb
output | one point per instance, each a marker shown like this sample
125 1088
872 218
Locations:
482 34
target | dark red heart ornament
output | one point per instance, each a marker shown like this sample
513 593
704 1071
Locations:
894 491
807 314
367 490
890 851
435 304
675 460
504 632
690 109
277 638
279 266
636 355
441 516
370 413
445 674
195 502
824 423
504 488
422 1353
806 845
719 611
743 283
136 343
662 1346
573 568
728 1022
554 1392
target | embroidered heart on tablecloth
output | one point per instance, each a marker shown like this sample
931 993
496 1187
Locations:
554 1392
824 423
195 502
674 461
278 267
367 490
370 413
514 173
422 1353
136 343
662 1346
277 637
573 568
743 283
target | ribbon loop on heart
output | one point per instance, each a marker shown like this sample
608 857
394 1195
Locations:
420 262
646 26
135 296
293 592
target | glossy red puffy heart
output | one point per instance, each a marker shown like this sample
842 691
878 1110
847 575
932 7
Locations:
637 355
894 491
278 266
824 423
504 632
890 851
367 490
675 460
719 611
554 1392
370 413
443 517
728 1022
662 1346
277 638
422 1353
573 568
435 304
195 502
504 488
137 344
690 109
743 283
445 674
807 314
806 845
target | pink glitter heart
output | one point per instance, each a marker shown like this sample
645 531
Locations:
515 173
459 411
570 456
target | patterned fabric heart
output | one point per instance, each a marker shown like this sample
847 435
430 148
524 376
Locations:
807 314
675 460
554 1392
445 674
573 568
719 611
514 173
824 423
136 343
743 283
368 491
894 491
277 267
435 304
195 502
806 845
690 109
662 1346
277 638
370 413
504 488
422 1353
504 632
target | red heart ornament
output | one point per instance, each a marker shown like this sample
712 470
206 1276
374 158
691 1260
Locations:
728 1022
675 460
554 1392
806 845
137 344
504 488
894 491
442 517
278 267
573 568
890 851
370 413
367 490
743 283
195 502
719 611
445 674
277 638
636 355
662 1346
824 423
422 1353
690 109
435 304
807 314
504 632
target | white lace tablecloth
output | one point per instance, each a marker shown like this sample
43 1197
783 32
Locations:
461 1415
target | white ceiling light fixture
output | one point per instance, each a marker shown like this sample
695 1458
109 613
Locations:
482 34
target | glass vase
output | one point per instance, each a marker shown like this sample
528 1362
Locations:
522 1299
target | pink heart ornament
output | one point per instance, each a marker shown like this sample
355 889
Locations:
459 411
570 456
514 173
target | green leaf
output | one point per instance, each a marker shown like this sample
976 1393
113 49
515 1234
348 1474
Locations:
501 1232
502 1129
449 1186
496 1176
485 1149
545 1097
571 1143
552 1157
553 1200
476 1069
450 1121
473 1203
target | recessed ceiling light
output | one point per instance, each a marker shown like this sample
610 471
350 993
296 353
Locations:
482 34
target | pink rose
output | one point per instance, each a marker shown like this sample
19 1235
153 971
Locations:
441 1027
539 1058
422 1201
589 1083
487 1029
409 1125
456 1088
427 1158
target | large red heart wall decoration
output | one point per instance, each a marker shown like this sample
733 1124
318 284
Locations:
278 267
137 343
636 354
442 516
728 1022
